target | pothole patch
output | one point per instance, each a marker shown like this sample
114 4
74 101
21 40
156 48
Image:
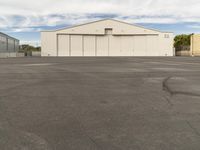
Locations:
183 86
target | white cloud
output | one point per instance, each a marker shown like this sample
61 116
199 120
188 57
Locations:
125 7
24 15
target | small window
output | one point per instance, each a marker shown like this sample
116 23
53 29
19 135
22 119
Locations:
166 35
108 31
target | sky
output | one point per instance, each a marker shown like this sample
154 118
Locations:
24 19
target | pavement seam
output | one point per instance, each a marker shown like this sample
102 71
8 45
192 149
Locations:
193 128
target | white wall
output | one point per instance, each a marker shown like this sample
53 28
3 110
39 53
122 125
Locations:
48 44
165 45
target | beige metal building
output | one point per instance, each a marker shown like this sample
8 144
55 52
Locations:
107 38
195 45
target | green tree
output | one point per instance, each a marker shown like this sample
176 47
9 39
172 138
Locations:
181 41
28 49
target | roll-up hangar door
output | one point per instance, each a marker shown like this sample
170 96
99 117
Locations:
89 45
107 45
63 45
76 45
121 45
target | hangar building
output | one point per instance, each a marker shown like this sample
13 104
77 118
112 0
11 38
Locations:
195 45
106 38
8 44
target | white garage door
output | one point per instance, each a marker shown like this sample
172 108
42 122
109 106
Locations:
140 46
108 45
114 45
89 45
121 45
102 45
76 45
146 45
152 45
127 46
63 45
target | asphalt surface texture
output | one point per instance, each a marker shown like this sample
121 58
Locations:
113 103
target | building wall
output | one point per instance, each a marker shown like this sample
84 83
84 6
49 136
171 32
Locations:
11 45
16 45
49 44
165 44
195 45
3 43
8 44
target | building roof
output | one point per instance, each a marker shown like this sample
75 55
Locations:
134 25
1 33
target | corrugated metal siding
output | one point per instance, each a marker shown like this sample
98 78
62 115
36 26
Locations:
8 44
3 43
16 45
11 45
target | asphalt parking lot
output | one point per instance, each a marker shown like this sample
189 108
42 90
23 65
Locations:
116 103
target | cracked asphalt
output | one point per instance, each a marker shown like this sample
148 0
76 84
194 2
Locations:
113 103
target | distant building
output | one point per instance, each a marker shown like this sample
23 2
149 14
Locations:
107 38
195 45
8 44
